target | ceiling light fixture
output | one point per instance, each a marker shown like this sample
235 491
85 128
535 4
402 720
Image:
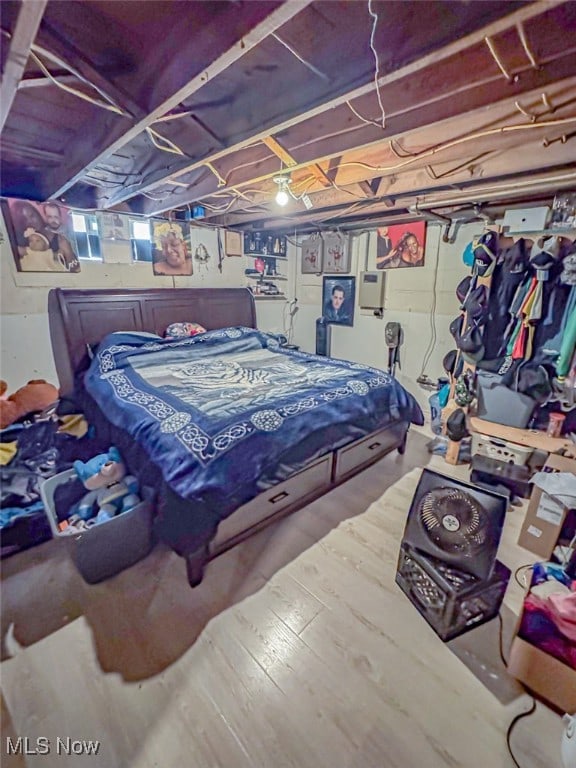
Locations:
283 195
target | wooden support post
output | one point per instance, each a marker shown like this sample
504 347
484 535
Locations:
452 452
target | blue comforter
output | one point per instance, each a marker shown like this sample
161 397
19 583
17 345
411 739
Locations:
219 411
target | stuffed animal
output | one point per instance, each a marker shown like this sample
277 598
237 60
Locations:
111 490
34 396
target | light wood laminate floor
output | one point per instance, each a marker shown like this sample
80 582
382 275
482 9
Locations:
297 651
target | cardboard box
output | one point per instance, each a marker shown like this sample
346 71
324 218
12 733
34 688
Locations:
547 676
544 517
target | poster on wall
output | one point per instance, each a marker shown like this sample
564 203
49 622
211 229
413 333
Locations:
400 245
336 253
171 254
338 297
41 236
312 255
233 243
114 226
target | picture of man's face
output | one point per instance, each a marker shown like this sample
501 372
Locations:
53 217
337 298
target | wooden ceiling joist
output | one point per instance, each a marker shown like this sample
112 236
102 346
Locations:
290 162
455 49
228 49
468 87
27 23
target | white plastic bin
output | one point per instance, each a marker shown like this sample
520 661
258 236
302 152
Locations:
108 548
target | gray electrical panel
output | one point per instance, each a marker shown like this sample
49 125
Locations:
372 290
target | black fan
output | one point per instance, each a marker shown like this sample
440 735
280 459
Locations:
453 520
456 523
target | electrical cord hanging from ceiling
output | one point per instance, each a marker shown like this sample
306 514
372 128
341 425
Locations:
168 145
74 92
361 117
377 70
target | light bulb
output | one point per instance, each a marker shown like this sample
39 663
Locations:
282 196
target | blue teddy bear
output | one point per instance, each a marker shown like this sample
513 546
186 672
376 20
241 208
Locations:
111 490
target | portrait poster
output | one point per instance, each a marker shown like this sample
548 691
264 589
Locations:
171 253
336 253
113 226
401 245
41 236
312 255
338 299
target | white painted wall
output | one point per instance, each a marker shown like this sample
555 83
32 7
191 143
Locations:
408 300
25 339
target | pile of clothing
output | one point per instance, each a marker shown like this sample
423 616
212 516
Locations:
549 613
31 451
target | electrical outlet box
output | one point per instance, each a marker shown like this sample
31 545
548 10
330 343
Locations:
526 219
371 294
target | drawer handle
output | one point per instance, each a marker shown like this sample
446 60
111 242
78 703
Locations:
374 445
278 497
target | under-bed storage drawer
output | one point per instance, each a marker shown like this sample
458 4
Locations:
302 486
367 450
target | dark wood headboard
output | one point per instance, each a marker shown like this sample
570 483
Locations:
78 318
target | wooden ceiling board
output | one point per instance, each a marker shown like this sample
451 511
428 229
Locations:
485 62
398 123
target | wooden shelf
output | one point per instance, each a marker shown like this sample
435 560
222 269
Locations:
267 278
569 233
531 438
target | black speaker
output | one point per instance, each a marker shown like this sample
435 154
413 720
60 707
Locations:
456 523
323 332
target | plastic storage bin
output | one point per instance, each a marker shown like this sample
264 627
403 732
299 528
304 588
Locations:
108 548
500 404
494 448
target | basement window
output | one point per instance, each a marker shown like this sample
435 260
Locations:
140 240
85 228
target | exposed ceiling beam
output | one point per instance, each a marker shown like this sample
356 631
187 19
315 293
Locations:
113 139
290 162
413 109
411 184
27 23
179 167
544 182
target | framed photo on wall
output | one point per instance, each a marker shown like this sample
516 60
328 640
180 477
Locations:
41 236
336 253
338 299
233 243
171 253
312 255
401 245
114 226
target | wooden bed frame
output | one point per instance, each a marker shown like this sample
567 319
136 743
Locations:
82 318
